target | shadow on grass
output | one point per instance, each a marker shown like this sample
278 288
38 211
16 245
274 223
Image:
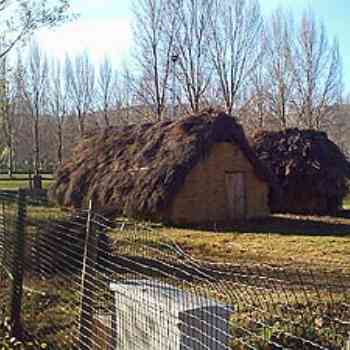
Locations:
287 225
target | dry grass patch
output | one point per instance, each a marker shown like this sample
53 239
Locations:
322 243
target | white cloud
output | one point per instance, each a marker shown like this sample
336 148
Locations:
99 37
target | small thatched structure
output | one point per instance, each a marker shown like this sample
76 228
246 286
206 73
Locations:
199 169
311 170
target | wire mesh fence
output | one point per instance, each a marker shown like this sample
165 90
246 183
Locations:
93 283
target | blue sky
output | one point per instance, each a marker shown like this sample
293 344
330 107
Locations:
104 27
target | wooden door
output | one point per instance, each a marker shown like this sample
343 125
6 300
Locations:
236 195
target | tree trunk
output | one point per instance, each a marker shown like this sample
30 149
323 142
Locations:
81 124
10 157
36 150
309 115
37 183
10 161
229 109
159 112
60 144
106 118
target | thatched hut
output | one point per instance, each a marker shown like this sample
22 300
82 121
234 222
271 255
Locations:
311 170
196 170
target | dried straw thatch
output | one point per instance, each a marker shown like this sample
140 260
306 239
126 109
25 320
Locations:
137 170
311 170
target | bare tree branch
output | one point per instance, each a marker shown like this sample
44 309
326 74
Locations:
236 29
34 92
58 103
107 89
80 78
155 30
21 18
318 73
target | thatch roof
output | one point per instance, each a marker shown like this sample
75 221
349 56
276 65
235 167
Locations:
138 169
307 164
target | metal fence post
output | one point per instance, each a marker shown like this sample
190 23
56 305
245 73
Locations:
88 281
18 266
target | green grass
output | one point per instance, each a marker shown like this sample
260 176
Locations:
39 213
346 204
16 184
278 249
18 176
288 241
21 181
282 240
50 311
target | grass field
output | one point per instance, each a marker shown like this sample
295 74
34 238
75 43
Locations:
288 241
285 248
294 242
273 244
21 181
280 240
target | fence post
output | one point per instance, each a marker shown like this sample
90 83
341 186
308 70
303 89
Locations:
3 243
114 323
2 234
88 281
18 266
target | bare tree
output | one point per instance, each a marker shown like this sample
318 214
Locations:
236 28
278 48
256 108
8 120
21 18
80 78
154 31
317 70
34 92
58 103
193 48
107 87
127 97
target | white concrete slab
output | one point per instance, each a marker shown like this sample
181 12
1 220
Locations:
153 315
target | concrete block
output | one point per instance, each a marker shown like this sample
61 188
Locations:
153 315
